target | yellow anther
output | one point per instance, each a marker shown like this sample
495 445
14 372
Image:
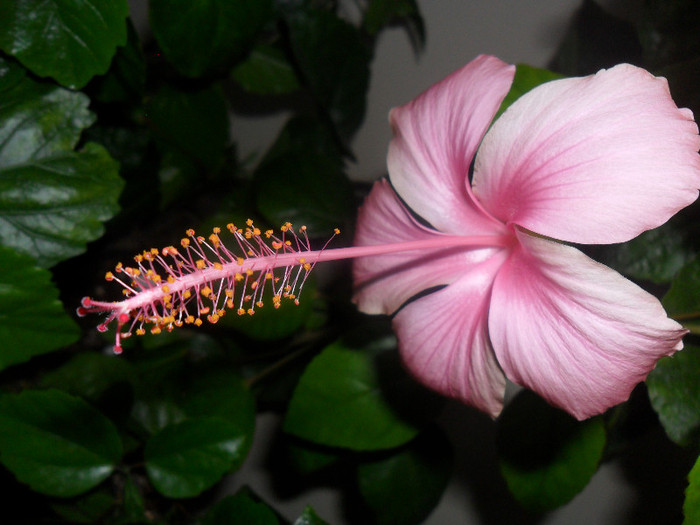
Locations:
336 231
198 322
186 294
140 331
204 311
190 232
249 222
165 288
184 243
213 318
206 291
155 330
269 233
109 276
240 261
240 311
216 230
218 266
200 264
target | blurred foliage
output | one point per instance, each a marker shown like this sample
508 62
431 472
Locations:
112 141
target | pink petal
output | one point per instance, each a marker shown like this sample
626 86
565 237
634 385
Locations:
573 330
598 159
384 282
436 137
443 339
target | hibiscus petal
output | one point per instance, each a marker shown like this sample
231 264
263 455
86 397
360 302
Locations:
384 282
573 330
435 138
598 159
443 339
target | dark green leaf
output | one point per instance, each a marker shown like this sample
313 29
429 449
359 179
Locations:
306 458
339 402
674 391
88 508
56 443
192 124
305 189
207 35
404 488
220 392
526 78
51 207
266 71
126 78
133 505
69 40
270 323
683 298
184 459
309 517
89 375
37 120
240 508
656 255
32 319
335 65
691 506
381 13
546 456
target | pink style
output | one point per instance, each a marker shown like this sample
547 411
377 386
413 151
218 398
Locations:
489 290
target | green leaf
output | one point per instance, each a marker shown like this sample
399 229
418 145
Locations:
56 443
241 508
266 71
69 40
51 207
186 458
193 124
683 298
526 78
88 508
89 375
37 120
335 65
405 487
126 78
268 323
382 13
656 255
674 391
691 506
309 517
32 319
52 199
546 456
340 402
207 35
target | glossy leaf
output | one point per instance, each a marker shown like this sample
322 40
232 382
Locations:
52 199
37 119
674 391
335 65
339 402
88 508
56 443
240 508
208 35
69 40
405 487
51 207
33 320
691 506
546 456
186 458
266 71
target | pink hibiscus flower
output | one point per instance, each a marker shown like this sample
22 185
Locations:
590 160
